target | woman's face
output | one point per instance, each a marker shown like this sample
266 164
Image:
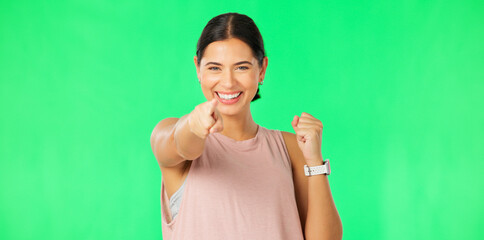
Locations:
230 67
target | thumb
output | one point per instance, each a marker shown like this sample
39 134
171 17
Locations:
218 126
212 105
294 122
214 102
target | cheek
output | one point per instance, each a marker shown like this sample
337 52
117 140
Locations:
249 80
207 87
210 78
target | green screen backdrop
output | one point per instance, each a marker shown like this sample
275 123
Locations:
398 86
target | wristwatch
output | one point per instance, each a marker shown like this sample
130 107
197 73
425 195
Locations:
316 170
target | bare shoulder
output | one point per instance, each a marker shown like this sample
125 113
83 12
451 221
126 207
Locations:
173 176
164 123
299 178
297 158
161 125
165 152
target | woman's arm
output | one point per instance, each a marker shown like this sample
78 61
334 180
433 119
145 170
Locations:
172 142
323 221
175 140
187 143
318 213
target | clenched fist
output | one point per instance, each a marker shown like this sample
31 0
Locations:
309 131
205 119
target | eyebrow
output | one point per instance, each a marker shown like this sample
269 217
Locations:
238 63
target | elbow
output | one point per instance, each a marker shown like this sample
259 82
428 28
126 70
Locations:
338 231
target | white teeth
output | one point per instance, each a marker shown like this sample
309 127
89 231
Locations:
228 96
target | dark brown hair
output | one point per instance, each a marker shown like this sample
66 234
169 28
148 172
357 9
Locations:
232 25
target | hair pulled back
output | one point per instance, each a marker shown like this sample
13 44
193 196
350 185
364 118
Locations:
232 25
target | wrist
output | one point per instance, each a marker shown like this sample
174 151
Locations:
314 162
317 167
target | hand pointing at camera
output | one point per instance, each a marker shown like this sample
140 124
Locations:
205 119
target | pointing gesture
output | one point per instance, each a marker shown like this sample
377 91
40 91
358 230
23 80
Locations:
205 119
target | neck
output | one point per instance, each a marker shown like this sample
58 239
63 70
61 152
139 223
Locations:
239 127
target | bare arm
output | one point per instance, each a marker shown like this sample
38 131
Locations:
172 142
317 211
187 143
323 220
176 140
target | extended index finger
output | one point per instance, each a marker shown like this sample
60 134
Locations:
212 105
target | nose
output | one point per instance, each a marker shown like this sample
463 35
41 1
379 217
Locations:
228 80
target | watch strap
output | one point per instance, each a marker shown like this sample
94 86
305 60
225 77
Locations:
317 170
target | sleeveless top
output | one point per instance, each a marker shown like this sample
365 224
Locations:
175 200
236 190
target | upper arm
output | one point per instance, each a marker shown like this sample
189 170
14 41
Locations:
162 143
299 178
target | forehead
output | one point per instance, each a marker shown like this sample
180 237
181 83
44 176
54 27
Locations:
228 50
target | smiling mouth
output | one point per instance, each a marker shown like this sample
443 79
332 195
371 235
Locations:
228 96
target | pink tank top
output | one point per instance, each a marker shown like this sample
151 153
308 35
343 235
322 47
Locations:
237 190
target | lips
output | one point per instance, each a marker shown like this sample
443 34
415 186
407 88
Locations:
228 101
228 93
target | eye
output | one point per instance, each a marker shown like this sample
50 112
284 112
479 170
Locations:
244 67
210 68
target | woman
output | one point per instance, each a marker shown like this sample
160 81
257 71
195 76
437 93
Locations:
223 175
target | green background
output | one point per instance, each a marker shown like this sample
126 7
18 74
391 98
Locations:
397 84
